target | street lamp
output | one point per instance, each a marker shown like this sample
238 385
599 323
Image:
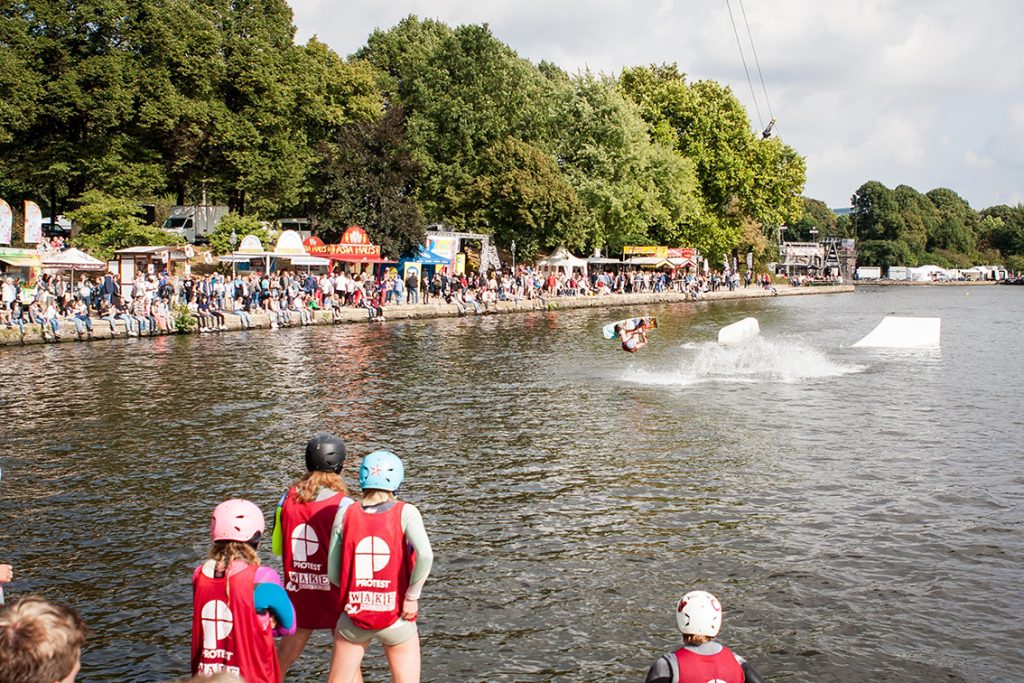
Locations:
233 240
513 258
814 234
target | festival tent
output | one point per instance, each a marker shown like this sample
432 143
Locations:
421 260
561 259
928 274
648 261
291 247
428 258
354 247
250 249
24 260
71 259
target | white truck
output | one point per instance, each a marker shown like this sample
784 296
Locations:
194 223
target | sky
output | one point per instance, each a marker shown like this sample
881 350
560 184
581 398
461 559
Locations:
926 93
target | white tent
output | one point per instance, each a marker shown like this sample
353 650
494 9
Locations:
71 259
561 259
928 274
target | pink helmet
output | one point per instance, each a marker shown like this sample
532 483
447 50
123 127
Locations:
236 520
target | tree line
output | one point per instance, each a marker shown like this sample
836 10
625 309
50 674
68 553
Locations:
903 227
106 103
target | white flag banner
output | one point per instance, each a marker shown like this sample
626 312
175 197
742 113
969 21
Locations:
6 222
33 223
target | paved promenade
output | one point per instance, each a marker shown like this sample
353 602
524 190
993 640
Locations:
101 328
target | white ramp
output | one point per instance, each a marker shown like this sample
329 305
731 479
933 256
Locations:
895 332
737 332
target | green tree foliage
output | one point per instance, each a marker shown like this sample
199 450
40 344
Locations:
875 213
885 253
463 91
938 227
213 99
816 215
106 223
525 199
635 189
368 178
741 176
220 238
1002 228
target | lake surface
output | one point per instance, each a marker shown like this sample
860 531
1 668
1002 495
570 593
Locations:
860 513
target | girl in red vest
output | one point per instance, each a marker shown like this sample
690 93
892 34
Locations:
701 659
231 595
301 534
380 557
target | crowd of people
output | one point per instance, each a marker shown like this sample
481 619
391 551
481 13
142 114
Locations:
152 304
362 586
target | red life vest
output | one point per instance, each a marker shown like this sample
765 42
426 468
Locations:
720 667
226 634
375 566
306 533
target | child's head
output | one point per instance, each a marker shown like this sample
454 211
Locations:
236 529
381 471
699 617
40 641
325 457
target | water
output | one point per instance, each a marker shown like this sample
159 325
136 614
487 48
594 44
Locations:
859 512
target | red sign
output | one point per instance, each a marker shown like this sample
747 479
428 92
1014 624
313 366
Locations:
354 243
682 252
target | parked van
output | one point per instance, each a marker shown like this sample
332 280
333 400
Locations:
194 223
299 225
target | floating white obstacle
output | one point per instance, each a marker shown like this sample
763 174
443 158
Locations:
737 332
896 332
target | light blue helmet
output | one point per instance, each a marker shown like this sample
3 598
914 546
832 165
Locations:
381 470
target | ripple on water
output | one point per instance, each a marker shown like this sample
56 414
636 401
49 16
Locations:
838 501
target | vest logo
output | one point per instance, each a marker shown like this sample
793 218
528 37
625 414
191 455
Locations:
372 555
216 621
305 543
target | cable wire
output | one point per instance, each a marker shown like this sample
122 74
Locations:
757 62
743 58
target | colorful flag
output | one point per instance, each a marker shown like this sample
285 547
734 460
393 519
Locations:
33 223
6 222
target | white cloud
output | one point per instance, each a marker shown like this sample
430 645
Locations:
921 92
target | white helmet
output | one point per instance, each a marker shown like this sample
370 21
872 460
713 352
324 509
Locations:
699 614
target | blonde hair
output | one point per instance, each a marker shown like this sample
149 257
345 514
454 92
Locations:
696 639
224 553
39 641
306 489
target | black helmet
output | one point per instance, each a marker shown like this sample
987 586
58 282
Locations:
325 453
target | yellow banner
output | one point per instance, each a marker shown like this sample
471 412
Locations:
660 252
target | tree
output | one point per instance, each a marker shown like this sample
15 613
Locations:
368 178
241 226
331 93
958 224
633 188
106 224
1002 228
875 214
524 198
885 253
462 91
816 215
740 176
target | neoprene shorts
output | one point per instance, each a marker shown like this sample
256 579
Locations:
396 634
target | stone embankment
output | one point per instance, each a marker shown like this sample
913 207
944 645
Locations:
101 328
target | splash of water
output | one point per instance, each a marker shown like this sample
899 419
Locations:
759 360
